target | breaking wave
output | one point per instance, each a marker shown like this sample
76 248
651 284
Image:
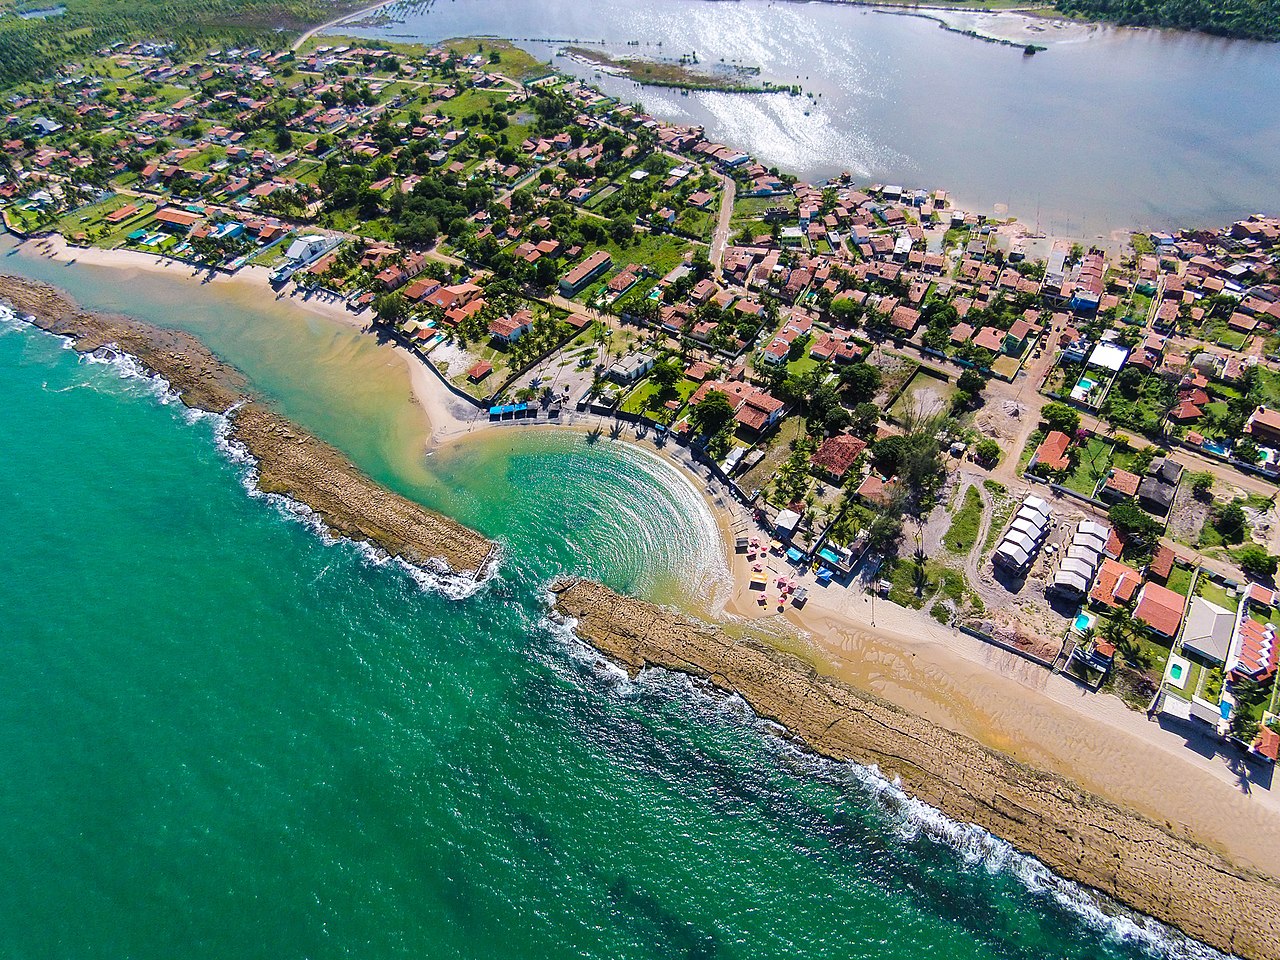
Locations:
908 818
434 577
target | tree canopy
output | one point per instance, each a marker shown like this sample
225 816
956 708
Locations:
710 414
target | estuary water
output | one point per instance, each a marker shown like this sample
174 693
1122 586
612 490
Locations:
226 736
1108 129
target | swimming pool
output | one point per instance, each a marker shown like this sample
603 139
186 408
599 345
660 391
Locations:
827 555
1178 671
1084 621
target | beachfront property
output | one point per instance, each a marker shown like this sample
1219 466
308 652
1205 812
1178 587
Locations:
1026 532
1075 569
631 368
1223 672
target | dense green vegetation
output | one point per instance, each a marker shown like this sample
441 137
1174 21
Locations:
31 48
1256 19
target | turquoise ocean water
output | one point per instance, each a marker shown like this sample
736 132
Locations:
224 736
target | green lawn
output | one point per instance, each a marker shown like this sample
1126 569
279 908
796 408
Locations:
1215 593
903 580
938 580
1191 682
1179 580
1093 461
802 364
644 398
513 62
965 523
90 221
658 251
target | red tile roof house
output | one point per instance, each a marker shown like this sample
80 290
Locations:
836 455
759 411
875 491
512 328
777 351
1185 412
123 213
905 318
1115 585
754 409
699 371
989 338
1253 651
1160 609
1052 452
1161 564
176 221
585 272
1267 743
479 371
1119 484
1264 427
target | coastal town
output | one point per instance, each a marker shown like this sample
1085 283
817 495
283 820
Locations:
1067 452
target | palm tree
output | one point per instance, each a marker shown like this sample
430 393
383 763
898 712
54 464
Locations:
1123 631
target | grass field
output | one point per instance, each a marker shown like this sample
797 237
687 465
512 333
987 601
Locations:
965 523
644 398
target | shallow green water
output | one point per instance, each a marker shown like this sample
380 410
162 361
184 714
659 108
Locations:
224 736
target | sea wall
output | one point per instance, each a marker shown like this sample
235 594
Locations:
290 461
1078 835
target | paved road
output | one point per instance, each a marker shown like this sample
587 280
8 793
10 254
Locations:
297 44
721 237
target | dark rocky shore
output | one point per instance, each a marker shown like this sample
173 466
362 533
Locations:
290 461
1078 835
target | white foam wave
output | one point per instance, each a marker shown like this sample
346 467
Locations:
908 817
977 847
128 368
10 322
433 577
580 653
436 576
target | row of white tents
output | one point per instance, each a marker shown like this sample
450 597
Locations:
1027 531
1080 563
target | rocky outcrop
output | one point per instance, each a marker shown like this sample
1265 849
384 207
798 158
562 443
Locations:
290 461
1077 834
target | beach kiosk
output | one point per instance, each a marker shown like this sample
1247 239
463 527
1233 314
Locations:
785 524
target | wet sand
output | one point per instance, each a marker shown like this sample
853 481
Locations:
1169 773
448 417
288 460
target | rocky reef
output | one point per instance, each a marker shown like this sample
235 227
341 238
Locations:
1077 834
290 461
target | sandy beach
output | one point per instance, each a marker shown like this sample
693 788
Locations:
1169 773
448 416
946 677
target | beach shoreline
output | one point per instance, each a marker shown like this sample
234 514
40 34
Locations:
448 416
944 677
1131 858
288 461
